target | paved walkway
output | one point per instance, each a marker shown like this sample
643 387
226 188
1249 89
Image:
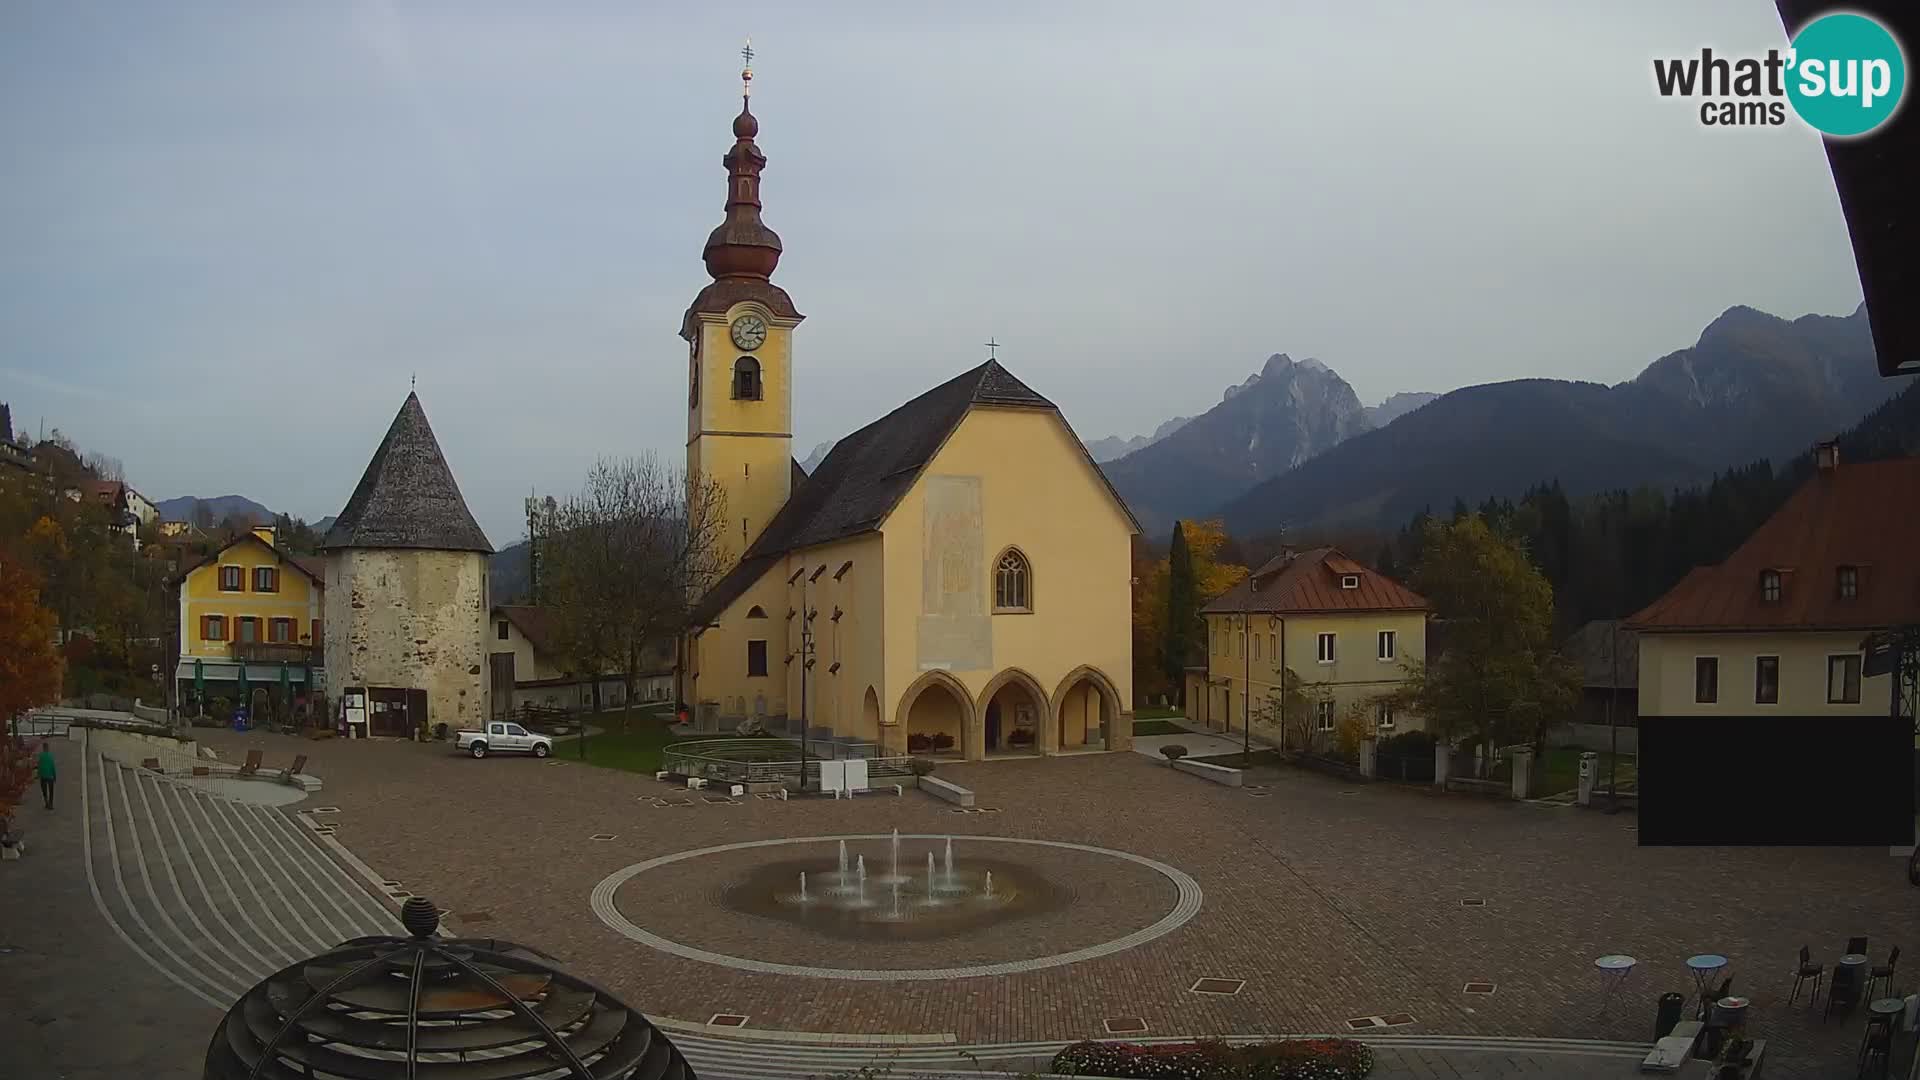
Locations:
1197 744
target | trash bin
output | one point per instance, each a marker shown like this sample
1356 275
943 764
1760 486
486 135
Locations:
1671 1006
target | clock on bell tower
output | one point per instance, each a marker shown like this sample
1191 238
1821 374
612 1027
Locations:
739 334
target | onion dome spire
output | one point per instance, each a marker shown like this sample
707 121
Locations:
742 246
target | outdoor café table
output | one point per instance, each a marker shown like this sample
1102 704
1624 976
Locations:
1614 968
1849 979
1891 1008
1704 968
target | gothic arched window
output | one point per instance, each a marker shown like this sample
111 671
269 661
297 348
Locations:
1012 582
756 612
746 379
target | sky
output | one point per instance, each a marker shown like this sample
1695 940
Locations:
231 233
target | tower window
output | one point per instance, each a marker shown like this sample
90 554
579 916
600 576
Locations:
1770 586
1012 583
1847 582
746 379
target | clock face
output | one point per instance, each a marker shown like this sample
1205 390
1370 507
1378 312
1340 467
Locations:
749 332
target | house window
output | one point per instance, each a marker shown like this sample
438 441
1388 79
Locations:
1323 715
1326 648
500 631
1012 583
246 629
1769 586
1349 581
1706 679
280 631
746 379
1256 646
756 612
1843 679
266 579
213 628
1846 582
233 579
1386 644
756 658
1766 680
1383 716
1273 647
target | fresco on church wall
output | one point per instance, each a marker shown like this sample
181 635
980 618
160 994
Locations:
955 634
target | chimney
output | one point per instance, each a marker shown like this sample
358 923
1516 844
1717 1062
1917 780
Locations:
1827 456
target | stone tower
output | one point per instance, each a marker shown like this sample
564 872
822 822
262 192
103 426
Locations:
406 598
739 334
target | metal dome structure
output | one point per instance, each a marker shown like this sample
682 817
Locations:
424 1007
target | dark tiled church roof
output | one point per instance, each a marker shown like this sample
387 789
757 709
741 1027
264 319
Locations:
407 498
867 473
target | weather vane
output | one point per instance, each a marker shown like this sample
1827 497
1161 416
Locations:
746 71
992 349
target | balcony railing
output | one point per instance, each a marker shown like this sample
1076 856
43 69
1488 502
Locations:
275 652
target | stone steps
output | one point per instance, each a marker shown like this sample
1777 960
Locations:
214 893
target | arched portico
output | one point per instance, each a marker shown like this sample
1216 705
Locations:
938 708
870 716
1013 715
1086 710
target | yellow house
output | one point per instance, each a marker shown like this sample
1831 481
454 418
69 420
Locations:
1346 633
1777 629
250 607
953 579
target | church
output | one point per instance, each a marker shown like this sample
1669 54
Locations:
952 581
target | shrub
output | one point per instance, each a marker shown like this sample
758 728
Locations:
1282 1059
917 744
1173 751
1020 737
920 766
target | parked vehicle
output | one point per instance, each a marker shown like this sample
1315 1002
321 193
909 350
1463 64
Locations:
504 737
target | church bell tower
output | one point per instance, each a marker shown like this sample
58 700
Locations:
739 334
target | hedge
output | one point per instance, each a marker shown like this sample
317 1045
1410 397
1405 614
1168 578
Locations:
1283 1059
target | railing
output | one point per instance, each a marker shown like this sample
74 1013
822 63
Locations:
274 652
756 761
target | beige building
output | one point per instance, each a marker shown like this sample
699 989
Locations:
526 667
406 589
1777 629
1346 633
953 579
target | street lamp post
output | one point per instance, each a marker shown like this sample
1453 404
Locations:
806 661
1246 687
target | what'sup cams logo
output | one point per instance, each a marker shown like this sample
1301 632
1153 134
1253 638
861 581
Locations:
1843 75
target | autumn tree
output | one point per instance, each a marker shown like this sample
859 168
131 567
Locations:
1169 594
625 559
1499 681
30 669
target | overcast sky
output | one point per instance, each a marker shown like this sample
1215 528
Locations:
230 232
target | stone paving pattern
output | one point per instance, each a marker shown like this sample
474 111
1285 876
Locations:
1333 900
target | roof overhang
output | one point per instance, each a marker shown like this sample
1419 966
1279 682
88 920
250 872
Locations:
1877 178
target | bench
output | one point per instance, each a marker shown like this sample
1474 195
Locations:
1219 774
947 790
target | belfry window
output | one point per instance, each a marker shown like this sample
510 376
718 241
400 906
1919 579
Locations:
1012 583
746 379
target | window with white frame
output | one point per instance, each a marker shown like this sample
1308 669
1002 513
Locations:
1383 715
1843 679
1386 644
1323 715
1325 648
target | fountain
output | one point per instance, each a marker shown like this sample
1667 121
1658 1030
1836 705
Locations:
948 897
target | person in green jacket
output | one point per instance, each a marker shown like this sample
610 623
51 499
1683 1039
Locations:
46 774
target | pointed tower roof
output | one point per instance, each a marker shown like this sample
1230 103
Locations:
407 497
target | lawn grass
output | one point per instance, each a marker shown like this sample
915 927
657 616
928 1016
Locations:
1267 758
630 739
1558 770
1156 712
1156 727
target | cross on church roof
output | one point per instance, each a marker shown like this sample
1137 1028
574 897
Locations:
746 71
992 347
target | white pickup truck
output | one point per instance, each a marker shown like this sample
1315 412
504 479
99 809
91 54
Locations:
503 736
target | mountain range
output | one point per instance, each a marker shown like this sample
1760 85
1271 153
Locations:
1753 386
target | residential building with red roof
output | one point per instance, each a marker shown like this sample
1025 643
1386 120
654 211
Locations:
1779 626
1346 632
527 666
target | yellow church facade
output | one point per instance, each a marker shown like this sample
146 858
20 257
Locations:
952 580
